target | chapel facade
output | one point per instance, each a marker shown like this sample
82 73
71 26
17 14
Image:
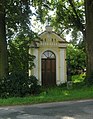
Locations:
50 62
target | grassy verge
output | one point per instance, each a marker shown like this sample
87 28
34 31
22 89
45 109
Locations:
52 95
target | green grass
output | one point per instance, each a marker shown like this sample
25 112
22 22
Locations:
78 78
52 95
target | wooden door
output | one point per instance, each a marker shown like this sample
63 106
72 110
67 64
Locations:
48 72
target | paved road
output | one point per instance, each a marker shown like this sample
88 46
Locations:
61 110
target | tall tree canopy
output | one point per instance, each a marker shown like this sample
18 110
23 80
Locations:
70 17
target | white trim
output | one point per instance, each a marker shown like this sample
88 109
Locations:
62 66
36 63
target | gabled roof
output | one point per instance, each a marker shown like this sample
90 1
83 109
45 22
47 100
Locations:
49 31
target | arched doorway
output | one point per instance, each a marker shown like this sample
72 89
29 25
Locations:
48 63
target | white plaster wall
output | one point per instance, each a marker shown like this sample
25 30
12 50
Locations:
34 71
62 66
36 63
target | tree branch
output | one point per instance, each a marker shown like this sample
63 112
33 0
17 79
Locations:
81 26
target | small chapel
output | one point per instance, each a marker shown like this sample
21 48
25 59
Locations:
49 50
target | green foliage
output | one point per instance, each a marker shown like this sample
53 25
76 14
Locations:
17 16
19 57
17 84
78 78
77 59
70 18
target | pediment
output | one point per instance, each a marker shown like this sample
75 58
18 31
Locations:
50 38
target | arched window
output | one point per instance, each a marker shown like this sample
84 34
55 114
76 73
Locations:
48 55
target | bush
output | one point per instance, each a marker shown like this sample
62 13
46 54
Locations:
18 84
32 86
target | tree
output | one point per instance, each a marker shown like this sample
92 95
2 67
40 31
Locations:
77 59
88 35
14 19
71 18
89 38
19 57
3 43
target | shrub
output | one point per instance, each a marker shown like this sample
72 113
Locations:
33 86
18 84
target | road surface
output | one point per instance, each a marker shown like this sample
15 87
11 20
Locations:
60 110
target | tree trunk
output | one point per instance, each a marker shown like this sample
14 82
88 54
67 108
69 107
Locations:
89 38
3 43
